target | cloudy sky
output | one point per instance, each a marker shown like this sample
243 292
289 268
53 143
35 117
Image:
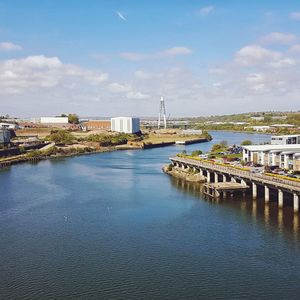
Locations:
116 57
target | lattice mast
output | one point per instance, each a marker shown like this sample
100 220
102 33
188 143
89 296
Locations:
162 113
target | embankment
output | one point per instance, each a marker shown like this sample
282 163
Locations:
182 174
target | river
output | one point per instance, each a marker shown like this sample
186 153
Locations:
113 226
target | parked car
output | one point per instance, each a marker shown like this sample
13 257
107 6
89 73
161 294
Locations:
291 176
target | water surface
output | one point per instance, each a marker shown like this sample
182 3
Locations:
113 226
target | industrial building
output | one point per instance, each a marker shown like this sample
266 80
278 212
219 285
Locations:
54 120
12 126
5 136
125 124
98 124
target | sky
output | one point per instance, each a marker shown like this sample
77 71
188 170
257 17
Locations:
117 57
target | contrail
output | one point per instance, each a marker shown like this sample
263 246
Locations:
121 16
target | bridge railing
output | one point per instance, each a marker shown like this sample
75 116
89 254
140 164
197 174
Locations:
232 171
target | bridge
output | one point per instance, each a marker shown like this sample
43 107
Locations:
215 173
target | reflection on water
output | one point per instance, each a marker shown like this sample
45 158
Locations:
264 214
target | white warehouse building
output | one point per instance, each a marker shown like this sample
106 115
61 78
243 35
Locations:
125 124
54 120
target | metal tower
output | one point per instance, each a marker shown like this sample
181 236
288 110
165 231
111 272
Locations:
162 113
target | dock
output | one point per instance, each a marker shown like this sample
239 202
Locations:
222 189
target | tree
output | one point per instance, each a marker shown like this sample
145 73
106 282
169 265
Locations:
216 147
246 143
196 153
206 135
73 119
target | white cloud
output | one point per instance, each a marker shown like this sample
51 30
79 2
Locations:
216 71
119 88
137 96
127 90
206 10
279 38
37 72
258 87
254 54
177 51
8 46
132 56
295 49
121 16
170 52
140 74
255 77
285 62
295 15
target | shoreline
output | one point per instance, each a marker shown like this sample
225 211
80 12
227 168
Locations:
241 131
23 159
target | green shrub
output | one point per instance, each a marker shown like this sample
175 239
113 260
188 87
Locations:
246 143
22 149
34 153
61 137
196 153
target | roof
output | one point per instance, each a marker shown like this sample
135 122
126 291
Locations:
282 125
285 136
98 121
118 118
279 148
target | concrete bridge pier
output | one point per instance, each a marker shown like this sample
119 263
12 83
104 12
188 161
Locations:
267 194
280 198
296 203
201 172
224 178
216 177
208 179
233 179
254 190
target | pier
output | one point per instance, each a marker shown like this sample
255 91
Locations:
234 180
222 189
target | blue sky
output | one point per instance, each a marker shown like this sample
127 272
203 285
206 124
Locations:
111 57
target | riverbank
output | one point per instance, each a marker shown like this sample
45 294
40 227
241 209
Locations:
64 152
25 158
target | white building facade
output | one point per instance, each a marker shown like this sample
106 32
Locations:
9 126
285 139
284 156
54 120
125 124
